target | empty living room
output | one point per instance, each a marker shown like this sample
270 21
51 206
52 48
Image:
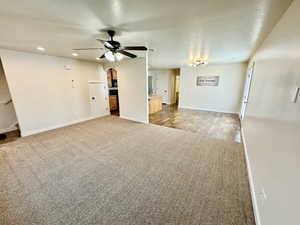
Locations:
147 112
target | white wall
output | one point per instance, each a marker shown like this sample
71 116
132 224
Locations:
43 92
224 98
272 124
164 84
8 117
133 89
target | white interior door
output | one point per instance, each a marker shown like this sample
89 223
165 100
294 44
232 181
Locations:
98 99
245 99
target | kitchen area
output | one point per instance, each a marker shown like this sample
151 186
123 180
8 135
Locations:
161 89
155 103
112 82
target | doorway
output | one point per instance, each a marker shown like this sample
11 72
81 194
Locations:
113 92
248 83
9 127
176 89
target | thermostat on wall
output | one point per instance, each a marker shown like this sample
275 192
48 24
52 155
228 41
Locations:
68 67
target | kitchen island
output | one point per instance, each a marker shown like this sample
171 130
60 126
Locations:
155 103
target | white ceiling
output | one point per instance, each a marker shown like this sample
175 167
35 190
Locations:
222 30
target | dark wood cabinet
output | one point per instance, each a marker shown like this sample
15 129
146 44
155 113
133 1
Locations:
113 102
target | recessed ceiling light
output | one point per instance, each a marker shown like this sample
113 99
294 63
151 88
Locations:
40 48
74 54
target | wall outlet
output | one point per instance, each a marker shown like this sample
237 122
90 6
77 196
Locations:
262 196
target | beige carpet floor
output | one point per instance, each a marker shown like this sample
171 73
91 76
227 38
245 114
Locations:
116 172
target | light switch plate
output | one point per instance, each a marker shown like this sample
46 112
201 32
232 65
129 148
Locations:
262 196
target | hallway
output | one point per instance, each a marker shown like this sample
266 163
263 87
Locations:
222 126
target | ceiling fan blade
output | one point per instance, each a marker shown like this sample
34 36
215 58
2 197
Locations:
127 54
105 43
136 48
80 49
102 41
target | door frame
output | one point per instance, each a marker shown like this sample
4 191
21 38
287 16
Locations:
108 89
175 92
247 89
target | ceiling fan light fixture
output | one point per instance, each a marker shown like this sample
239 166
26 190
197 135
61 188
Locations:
199 62
110 56
119 56
115 51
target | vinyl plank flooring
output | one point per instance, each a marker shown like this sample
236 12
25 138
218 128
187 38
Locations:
224 126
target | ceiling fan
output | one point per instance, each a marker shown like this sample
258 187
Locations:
115 50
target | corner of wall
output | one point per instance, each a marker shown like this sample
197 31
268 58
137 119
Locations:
250 179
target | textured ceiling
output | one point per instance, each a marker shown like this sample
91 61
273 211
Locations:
221 30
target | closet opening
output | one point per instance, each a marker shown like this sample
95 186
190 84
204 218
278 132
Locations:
9 126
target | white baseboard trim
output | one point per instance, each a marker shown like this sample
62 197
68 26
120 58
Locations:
209 110
132 119
32 132
251 182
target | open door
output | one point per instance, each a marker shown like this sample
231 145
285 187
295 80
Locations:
245 99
